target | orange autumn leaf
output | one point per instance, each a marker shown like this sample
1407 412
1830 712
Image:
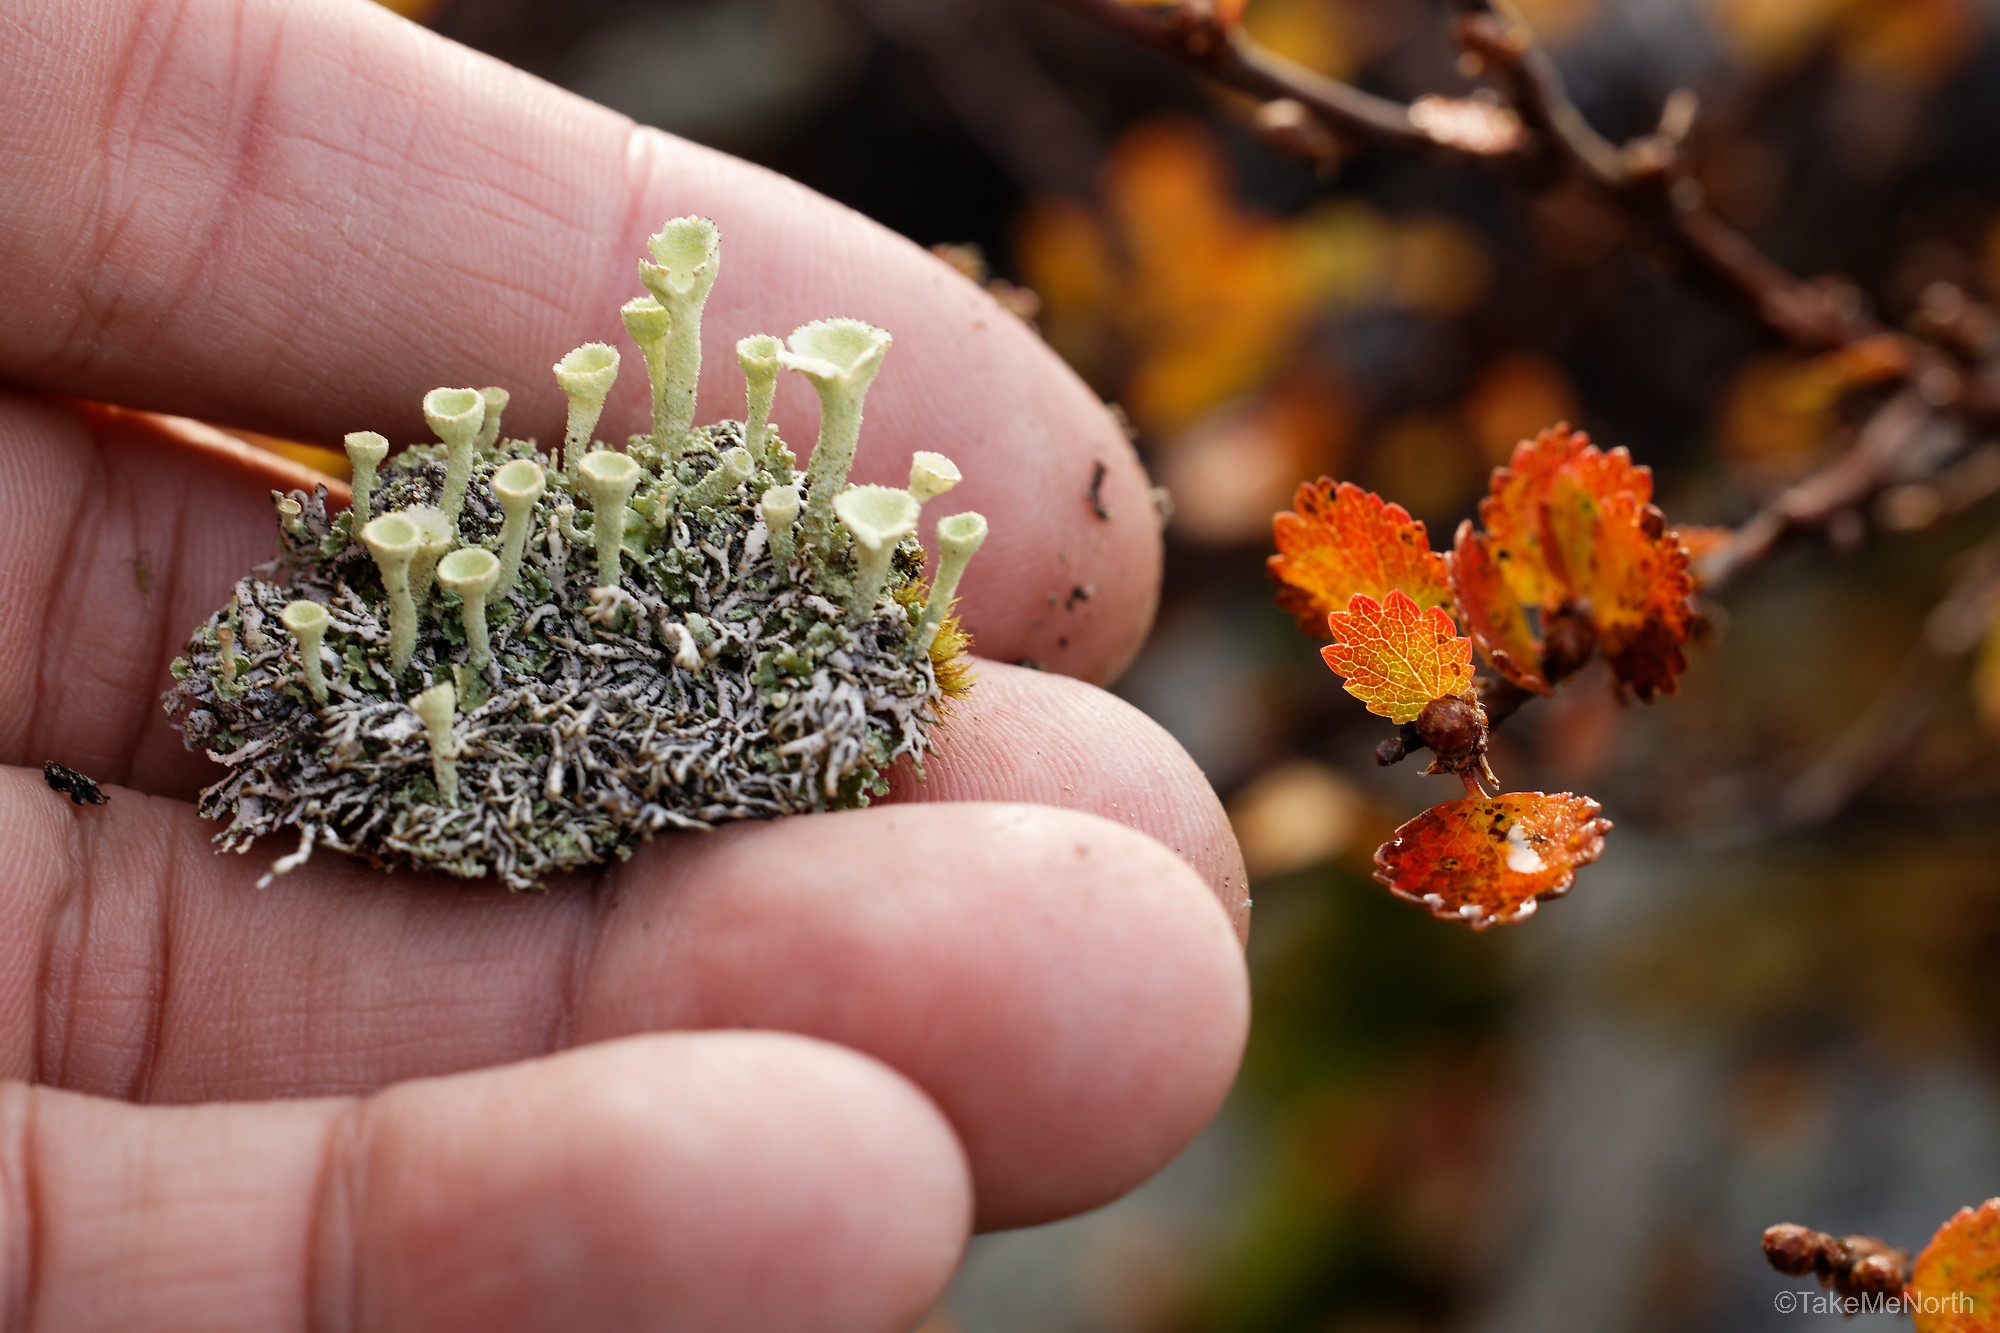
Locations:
1395 656
1572 527
1494 621
1487 861
1339 540
1638 589
1513 513
1962 1261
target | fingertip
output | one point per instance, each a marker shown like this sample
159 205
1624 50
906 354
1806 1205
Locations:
1178 997
714 1181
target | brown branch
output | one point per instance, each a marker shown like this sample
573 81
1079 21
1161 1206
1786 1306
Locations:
1840 486
1193 35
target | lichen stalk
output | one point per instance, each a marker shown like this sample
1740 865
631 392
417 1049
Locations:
472 572
758 355
686 254
457 416
394 541
780 508
308 621
496 399
436 532
438 707
735 468
841 358
365 452
648 322
608 479
586 375
878 517
516 485
959 539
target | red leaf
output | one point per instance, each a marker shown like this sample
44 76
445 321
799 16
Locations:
1394 657
1486 861
1955 1282
1343 540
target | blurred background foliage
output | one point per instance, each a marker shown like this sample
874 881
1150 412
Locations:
1776 997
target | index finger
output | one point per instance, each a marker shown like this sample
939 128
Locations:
300 217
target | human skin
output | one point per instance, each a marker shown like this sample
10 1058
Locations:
765 1078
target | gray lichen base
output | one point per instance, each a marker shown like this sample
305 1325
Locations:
509 663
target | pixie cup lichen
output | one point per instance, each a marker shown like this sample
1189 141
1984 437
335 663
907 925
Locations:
538 663
686 255
878 517
365 452
457 416
308 621
841 357
586 376
959 539
517 485
472 572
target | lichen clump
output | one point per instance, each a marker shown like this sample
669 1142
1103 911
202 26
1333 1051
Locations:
509 663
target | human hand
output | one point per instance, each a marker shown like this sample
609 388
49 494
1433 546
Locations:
976 1005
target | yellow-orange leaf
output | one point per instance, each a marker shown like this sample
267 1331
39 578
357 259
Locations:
1395 656
1514 513
1339 540
1494 621
1488 861
1955 1282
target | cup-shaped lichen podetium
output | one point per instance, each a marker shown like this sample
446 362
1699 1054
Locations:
840 357
365 451
457 415
438 533
931 475
586 375
780 507
608 479
489 428
879 517
517 485
395 542
472 572
758 355
649 324
686 254
959 538
308 621
735 468
438 707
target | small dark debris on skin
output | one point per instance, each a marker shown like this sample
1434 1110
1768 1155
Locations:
80 789
1082 592
1098 472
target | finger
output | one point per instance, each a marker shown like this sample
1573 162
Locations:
716 1182
1067 991
1025 735
300 218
